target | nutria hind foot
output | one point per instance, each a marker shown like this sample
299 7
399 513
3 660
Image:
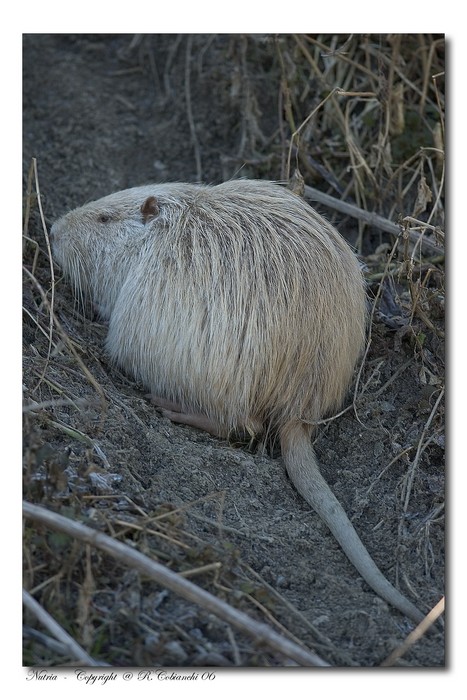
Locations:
174 412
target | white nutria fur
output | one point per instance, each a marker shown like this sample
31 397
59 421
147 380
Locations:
239 306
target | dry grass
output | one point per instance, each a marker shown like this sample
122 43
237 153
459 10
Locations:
360 118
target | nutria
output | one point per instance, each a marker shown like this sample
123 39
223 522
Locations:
240 308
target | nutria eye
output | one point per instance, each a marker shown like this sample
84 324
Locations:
104 218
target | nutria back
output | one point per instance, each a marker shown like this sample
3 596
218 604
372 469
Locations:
237 301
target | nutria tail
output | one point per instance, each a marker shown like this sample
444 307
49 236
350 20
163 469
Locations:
303 470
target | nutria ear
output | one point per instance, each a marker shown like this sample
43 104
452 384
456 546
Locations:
149 209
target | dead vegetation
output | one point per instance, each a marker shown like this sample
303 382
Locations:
357 123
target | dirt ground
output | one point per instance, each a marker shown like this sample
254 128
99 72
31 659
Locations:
107 112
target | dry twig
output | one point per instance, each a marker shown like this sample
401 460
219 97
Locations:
370 218
73 648
416 634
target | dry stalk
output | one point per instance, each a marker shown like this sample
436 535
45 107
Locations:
420 447
72 647
33 170
189 108
342 55
416 634
67 340
127 526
